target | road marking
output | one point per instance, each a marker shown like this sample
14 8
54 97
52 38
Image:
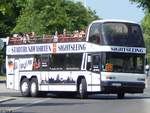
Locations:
30 104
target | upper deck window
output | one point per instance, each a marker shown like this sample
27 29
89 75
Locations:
122 34
95 34
113 29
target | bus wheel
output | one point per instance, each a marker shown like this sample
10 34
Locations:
120 95
34 87
82 89
25 87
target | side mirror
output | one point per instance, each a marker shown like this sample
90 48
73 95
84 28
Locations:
147 70
147 67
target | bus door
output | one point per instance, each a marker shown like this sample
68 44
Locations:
16 74
12 66
10 72
95 72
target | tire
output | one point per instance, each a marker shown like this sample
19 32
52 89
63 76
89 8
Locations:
25 87
34 88
82 89
121 95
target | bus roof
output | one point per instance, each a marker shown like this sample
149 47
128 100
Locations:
113 20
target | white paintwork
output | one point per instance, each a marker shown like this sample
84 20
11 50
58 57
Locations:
16 74
126 77
44 76
113 20
93 80
70 47
10 73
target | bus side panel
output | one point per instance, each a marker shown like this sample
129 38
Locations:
10 82
96 82
85 74
10 72
12 66
57 81
92 80
43 79
16 76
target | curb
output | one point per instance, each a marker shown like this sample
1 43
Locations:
5 99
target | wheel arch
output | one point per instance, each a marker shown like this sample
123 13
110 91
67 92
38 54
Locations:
33 77
23 77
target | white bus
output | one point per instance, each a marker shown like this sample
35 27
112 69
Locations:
109 60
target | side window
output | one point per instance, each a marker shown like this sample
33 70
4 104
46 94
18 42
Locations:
65 61
96 61
37 63
57 62
73 61
44 62
94 35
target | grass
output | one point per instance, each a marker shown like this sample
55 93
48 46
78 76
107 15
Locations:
2 77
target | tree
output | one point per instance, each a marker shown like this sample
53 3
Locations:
47 16
9 11
146 29
146 24
145 4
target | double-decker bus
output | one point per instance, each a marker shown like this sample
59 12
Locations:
110 59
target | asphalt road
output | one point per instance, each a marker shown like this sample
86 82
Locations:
97 104
133 103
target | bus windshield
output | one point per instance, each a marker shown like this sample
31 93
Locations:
122 34
123 62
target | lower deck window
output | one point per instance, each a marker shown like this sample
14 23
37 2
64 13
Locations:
65 61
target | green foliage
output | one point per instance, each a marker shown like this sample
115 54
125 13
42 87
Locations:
1 58
146 24
8 14
145 4
146 28
47 16
44 16
147 41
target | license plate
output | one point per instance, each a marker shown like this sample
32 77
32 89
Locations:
116 84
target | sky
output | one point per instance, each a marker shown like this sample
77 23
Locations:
116 9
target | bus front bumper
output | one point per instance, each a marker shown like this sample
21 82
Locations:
126 87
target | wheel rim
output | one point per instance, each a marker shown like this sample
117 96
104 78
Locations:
25 87
33 88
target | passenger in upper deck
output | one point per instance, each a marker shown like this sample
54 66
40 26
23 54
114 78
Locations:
32 37
76 35
65 36
55 38
64 32
81 35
